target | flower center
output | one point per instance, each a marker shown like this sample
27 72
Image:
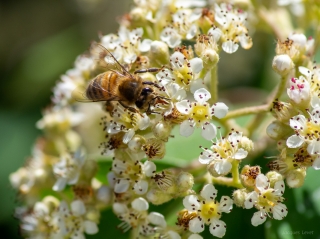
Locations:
267 199
182 75
209 210
200 113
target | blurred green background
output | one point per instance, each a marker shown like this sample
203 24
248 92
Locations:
40 41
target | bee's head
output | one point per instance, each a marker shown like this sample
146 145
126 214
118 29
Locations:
144 99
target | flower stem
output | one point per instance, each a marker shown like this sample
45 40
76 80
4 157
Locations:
214 85
235 174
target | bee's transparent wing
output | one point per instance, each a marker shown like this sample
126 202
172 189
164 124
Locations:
97 92
106 59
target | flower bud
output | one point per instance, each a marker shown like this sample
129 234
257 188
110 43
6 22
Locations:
51 202
295 178
184 182
239 196
162 130
282 64
248 175
158 197
159 53
277 130
246 144
104 194
274 177
213 171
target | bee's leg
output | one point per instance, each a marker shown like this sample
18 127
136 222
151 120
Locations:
132 109
148 70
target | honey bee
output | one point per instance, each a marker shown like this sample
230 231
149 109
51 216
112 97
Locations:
118 84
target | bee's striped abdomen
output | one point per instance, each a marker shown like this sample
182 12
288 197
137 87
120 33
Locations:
101 87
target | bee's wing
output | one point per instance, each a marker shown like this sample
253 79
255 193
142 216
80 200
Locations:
106 59
98 91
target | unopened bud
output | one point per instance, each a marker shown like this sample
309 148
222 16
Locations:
277 130
184 182
239 196
282 64
274 177
295 178
158 197
162 130
246 144
159 53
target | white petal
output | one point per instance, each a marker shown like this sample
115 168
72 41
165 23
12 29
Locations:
279 187
140 204
141 187
191 203
209 131
90 227
186 128
294 141
315 102
206 157
157 219
78 208
250 200
303 70
209 192
111 179
145 45
262 182
144 122
173 235
60 184
222 167
195 236
298 122
183 106
218 228
216 33
220 110
230 47
196 84
202 95
314 147
119 208
240 154
226 204
149 168
196 225
196 65
128 136
279 211
245 41
316 163
258 218
121 186
192 32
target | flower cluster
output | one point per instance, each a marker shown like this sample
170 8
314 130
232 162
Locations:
158 73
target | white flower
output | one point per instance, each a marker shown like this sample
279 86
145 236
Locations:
67 170
200 113
183 26
208 211
231 30
128 122
182 72
127 45
223 152
267 200
73 224
57 120
307 130
299 91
